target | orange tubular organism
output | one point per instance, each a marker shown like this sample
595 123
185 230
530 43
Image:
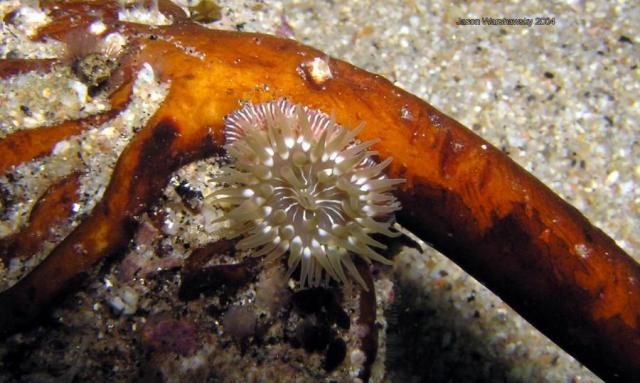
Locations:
461 194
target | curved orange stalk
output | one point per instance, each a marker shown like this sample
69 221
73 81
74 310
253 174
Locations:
12 67
466 197
54 207
25 145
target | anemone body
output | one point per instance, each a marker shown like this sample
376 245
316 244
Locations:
302 185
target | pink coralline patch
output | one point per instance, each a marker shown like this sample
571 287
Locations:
165 334
147 234
139 265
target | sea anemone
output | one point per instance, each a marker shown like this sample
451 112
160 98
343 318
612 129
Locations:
300 183
93 59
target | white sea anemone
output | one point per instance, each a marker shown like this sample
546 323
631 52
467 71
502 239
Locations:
302 184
